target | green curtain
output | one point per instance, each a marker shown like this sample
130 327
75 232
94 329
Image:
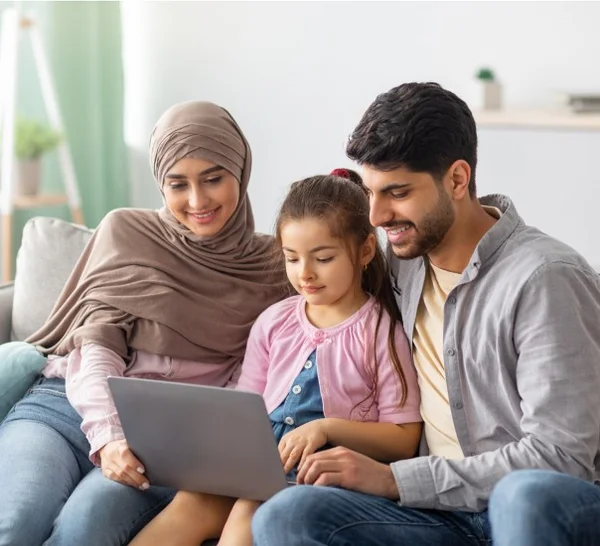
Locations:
83 45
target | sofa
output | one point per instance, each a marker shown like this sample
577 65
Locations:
49 249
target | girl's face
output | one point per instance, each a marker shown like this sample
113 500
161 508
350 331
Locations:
201 195
319 266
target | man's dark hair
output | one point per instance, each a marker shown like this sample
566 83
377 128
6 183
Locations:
418 126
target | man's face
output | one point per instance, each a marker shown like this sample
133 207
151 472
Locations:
415 211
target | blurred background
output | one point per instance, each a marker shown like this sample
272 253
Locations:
297 76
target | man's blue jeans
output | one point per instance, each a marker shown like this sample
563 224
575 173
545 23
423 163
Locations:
538 507
315 516
527 508
50 493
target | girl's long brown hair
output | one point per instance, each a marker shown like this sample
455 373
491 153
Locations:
343 204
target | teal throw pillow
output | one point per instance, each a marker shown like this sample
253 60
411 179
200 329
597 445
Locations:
20 364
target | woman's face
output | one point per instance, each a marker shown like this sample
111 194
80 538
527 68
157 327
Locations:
201 195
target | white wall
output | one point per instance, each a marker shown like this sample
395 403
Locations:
298 75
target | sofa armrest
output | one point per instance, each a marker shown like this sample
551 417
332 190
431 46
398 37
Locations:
6 304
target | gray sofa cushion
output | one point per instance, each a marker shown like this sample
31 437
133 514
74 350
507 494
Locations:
49 250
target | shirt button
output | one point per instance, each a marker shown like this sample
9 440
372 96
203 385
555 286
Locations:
296 389
289 421
308 365
450 352
452 300
458 405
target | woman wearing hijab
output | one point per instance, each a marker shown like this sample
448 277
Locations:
168 294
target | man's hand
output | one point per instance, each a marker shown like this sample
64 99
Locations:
345 468
300 443
120 465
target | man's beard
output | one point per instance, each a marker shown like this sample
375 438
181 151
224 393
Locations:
430 232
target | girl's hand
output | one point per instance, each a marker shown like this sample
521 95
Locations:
298 444
120 465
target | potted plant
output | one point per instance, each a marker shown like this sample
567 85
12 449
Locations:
491 89
32 140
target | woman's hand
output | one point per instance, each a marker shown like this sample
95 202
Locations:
120 465
298 444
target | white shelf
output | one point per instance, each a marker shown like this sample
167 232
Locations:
548 119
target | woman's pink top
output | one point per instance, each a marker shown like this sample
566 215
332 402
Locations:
86 373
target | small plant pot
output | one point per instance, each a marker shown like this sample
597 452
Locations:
29 176
491 95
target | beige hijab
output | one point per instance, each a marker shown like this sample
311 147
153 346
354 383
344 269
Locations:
146 282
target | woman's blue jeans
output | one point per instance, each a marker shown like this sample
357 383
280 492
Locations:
50 493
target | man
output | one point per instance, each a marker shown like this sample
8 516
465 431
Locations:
505 329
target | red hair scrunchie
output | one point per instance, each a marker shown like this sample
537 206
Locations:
343 173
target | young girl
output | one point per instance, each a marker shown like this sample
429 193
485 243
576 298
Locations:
333 363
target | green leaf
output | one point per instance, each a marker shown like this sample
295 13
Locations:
486 74
33 138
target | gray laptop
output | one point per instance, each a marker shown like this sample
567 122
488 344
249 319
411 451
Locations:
197 438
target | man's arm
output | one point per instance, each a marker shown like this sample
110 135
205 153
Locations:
557 338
